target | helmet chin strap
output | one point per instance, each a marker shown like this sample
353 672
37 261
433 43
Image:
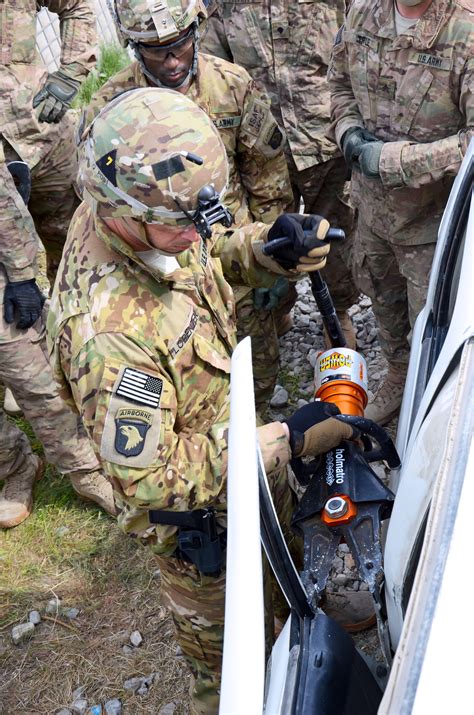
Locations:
410 3
192 70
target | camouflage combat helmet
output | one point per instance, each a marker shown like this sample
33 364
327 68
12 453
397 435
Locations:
163 21
149 154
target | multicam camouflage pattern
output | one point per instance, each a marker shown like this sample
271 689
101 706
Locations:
22 73
415 93
139 20
326 192
396 277
129 173
48 149
14 448
24 365
167 448
258 187
286 48
19 242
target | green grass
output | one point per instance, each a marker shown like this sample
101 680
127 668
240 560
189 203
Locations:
112 58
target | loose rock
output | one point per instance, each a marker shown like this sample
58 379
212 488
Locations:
279 399
136 639
133 684
79 706
22 632
53 606
167 709
113 707
34 617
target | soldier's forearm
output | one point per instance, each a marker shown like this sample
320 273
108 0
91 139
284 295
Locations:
414 165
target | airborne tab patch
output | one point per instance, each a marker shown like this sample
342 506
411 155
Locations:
137 386
132 426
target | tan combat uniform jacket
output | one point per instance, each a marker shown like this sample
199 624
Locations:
145 357
414 92
286 47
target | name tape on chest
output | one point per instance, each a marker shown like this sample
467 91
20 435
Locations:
227 122
423 58
181 341
139 387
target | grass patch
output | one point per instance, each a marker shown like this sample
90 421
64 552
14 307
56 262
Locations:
112 58
73 551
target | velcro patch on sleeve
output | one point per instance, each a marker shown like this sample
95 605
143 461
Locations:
139 387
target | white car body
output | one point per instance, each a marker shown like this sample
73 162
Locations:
430 625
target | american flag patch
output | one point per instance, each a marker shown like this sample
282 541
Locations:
139 387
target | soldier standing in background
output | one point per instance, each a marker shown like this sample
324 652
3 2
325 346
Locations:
259 188
402 81
286 46
36 129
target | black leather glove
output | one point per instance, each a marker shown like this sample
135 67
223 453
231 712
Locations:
307 251
314 431
353 140
55 97
26 300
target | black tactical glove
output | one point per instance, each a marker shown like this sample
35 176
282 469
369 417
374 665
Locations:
353 140
314 431
26 300
369 159
55 97
307 252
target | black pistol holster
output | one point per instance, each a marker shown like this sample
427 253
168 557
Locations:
198 540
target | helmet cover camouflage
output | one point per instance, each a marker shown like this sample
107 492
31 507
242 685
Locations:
157 20
147 155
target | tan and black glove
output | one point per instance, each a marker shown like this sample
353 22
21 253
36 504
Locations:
305 250
55 97
314 429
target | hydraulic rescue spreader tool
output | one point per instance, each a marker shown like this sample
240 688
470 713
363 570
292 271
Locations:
344 500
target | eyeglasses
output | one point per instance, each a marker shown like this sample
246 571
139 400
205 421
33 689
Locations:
161 52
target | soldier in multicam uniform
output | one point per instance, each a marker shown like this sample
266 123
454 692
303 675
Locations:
402 80
286 46
44 139
141 330
259 188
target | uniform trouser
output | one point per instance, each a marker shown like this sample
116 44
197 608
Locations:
53 199
197 606
325 191
14 448
25 369
395 276
261 326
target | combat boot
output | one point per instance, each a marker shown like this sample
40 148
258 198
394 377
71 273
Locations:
388 398
93 486
16 498
347 330
10 405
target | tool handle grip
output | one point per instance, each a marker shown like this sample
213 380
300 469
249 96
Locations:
334 234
